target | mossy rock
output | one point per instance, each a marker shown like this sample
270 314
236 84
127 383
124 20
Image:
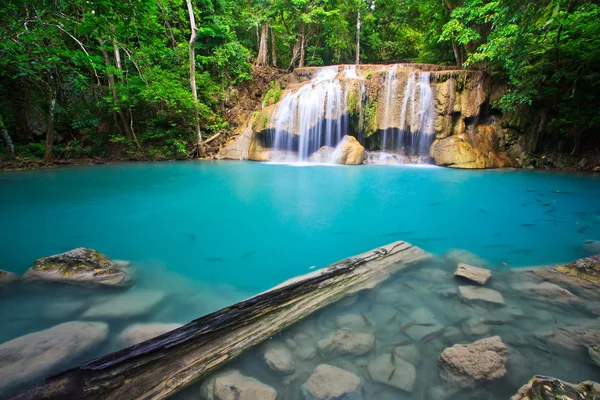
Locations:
586 268
80 265
7 277
547 388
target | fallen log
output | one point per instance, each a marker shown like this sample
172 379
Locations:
158 367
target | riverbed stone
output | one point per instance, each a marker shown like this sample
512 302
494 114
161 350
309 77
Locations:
465 365
476 328
81 265
466 257
232 385
7 277
481 294
39 353
393 371
134 303
592 246
354 322
549 292
63 309
346 341
548 388
279 357
408 353
571 339
349 152
138 333
475 274
388 296
332 383
425 317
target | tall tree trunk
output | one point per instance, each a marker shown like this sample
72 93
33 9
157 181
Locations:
302 49
10 149
295 55
48 157
263 47
457 53
199 148
273 50
358 24
120 67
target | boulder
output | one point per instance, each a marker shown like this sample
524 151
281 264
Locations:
306 352
481 294
80 265
131 304
138 333
454 152
548 388
465 365
279 358
408 353
587 268
572 339
393 371
331 383
346 341
232 385
475 274
7 277
30 356
325 155
63 309
349 152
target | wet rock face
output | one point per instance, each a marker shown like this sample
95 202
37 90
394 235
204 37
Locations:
324 155
232 385
547 388
81 265
456 152
349 152
331 383
465 365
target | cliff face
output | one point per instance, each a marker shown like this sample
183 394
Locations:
413 112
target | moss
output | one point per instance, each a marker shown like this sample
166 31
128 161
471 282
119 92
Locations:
265 121
107 271
370 118
368 75
581 274
2 273
273 94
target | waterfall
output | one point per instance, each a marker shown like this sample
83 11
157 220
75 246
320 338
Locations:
311 117
391 93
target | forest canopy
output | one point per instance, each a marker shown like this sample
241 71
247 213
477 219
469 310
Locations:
79 78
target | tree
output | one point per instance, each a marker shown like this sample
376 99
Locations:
194 32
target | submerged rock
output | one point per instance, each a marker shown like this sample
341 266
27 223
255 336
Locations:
548 388
346 341
481 294
138 333
232 385
466 257
279 358
7 277
393 371
593 246
63 309
331 383
572 339
349 152
465 365
550 292
587 269
423 323
79 265
131 304
475 274
38 353
594 353
354 322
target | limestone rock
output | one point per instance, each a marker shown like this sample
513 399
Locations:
454 152
331 383
349 152
27 357
138 333
279 358
550 292
424 323
572 339
548 388
346 341
466 257
324 155
354 322
63 309
131 304
306 352
232 385
585 268
79 265
465 365
7 277
482 294
388 296
475 274
594 353
393 371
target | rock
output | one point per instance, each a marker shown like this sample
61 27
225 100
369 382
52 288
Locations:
347 301
572 339
592 246
232 385
279 358
128 305
388 296
548 388
422 316
63 309
306 352
465 365
466 257
476 328
408 353
393 372
596 168
475 274
550 292
121 263
7 277
324 155
583 163
454 152
346 341
80 265
354 322
594 353
482 294
30 356
349 152
331 383
587 268
138 333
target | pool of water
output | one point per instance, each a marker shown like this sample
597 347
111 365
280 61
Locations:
209 234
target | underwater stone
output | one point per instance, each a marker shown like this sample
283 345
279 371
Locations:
593 246
427 319
38 353
594 353
548 388
465 365
7 277
331 383
393 371
476 328
475 274
80 265
63 309
572 339
279 358
388 296
408 353
138 333
353 321
586 268
466 257
232 385
131 304
483 294
346 341
550 292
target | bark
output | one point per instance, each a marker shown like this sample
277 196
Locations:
295 55
120 67
302 50
358 23
48 157
273 50
199 149
263 47
457 54
10 149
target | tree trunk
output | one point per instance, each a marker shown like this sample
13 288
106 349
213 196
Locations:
263 47
358 23
10 149
273 50
199 148
48 157
120 67
456 53
302 47
295 55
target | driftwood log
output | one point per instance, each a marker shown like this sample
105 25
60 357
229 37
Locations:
161 366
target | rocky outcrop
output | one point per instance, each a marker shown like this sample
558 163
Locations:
465 365
475 274
331 383
138 333
80 265
232 385
349 152
38 353
7 277
547 388
456 152
346 341
279 358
